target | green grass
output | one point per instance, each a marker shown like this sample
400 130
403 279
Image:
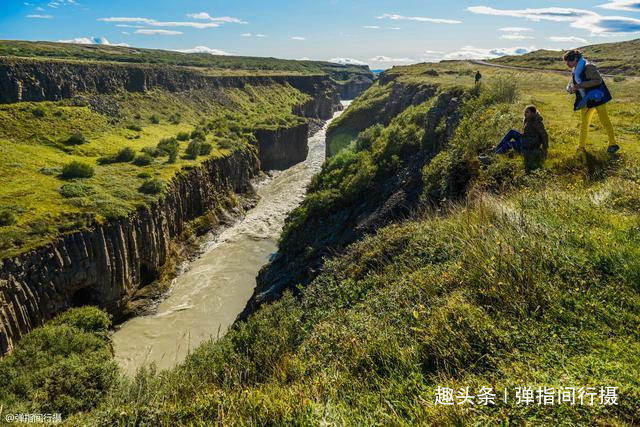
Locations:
35 150
211 64
521 277
611 58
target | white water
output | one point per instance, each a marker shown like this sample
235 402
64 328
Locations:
205 299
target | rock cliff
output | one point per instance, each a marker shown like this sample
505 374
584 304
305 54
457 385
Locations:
282 148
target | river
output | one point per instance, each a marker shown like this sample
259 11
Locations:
211 291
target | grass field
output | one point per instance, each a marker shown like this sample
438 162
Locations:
525 278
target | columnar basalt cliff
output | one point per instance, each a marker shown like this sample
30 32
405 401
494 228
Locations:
283 147
107 264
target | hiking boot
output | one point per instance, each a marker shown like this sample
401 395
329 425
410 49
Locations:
613 148
485 160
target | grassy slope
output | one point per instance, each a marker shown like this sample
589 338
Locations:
34 150
216 64
611 58
530 281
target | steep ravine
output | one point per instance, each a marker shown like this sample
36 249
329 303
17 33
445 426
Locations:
107 264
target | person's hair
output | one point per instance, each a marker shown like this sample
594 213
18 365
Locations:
572 55
531 108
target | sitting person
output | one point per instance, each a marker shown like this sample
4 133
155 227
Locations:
534 136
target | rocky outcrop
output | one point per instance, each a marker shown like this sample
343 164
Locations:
107 264
355 86
283 147
300 255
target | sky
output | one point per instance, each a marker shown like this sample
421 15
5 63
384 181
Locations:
374 32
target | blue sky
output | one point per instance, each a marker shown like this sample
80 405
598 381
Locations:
376 32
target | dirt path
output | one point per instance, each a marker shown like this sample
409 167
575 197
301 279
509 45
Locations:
511 67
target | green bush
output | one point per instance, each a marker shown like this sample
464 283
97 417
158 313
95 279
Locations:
153 186
144 175
168 145
143 160
7 218
64 366
152 151
193 149
76 139
77 169
175 119
76 190
205 149
183 136
198 134
134 126
38 112
126 155
154 119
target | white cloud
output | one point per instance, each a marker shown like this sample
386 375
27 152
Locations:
515 37
154 23
298 38
624 5
470 52
261 36
150 32
258 35
246 35
382 58
570 39
515 29
578 18
203 49
347 61
205 16
40 16
93 40
395 17
372 27
304 58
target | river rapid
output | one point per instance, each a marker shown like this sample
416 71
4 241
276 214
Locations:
206 297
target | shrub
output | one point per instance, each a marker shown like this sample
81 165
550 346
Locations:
38 112
77 169
152 186
152 151
183 136
143 160
134 126
76 139
75 190
125 155
193 149
154 119
145 175
205 149
7 218
175 119
173 156
64 366
168 145
198 134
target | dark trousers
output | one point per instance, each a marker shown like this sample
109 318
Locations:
513 139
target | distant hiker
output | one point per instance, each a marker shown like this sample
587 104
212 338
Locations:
592 95
478 77
534 136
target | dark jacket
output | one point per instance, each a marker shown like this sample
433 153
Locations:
592 80
535 135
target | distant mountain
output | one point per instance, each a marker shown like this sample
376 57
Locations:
611 58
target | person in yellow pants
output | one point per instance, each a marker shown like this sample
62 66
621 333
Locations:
587 116
592 89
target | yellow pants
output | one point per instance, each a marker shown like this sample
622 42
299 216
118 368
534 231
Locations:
587 116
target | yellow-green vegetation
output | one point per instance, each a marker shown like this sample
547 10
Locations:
215 65
510 275
62 367
77 162
612 58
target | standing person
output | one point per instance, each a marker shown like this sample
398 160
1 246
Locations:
592 96
478 77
